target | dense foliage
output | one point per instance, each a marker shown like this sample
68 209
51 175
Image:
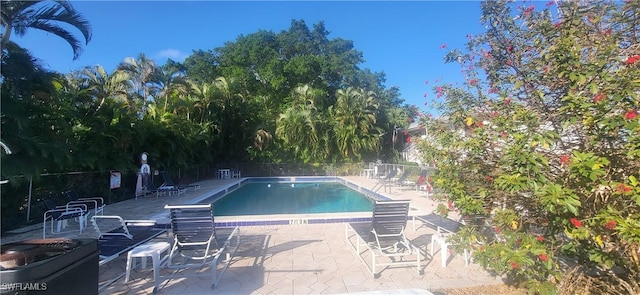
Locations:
295 96
545 135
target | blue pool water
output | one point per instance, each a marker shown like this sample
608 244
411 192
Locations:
291 198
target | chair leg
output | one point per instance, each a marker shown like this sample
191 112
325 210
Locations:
128 269
467 257
156 268
432 241
44 228
60 224
443 255
82 221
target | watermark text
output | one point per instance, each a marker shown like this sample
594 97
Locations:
8 287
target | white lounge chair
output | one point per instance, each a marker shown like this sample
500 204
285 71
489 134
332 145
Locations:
403 177
61 214
383 239
93 203
171 187
198 243
444 227
116 236
420 181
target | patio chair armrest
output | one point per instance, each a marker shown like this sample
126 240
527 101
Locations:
135 222
82 203
105 232
98 199
70 209
80 206
66 212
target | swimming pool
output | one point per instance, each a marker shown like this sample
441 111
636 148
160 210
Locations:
221 192
267 198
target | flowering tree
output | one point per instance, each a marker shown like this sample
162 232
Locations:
545 134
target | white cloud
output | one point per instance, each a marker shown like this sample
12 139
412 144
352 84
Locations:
174 54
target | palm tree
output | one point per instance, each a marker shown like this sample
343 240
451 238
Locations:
171 83
299 127
26 105
202 97
103 86
144 76
355 114
19 16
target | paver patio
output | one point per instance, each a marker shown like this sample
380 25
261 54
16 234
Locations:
289 259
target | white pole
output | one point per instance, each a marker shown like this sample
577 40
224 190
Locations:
29 199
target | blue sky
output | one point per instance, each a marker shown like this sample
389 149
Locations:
401 39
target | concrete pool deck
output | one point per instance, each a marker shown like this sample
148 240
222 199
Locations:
290 259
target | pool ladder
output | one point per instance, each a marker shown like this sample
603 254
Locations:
376 188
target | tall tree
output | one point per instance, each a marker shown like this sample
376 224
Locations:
30 115
172 84
355 115
545 131
300 127
144 76
201 66
103 86
48 16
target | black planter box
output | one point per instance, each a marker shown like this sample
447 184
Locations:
51 266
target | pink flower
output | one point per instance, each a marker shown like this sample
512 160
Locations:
543 257
529 10
514 265
611 224
540 238
599 97
632 59
473 82
630 115
577 223
550 3
623 188
439 91
565 160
